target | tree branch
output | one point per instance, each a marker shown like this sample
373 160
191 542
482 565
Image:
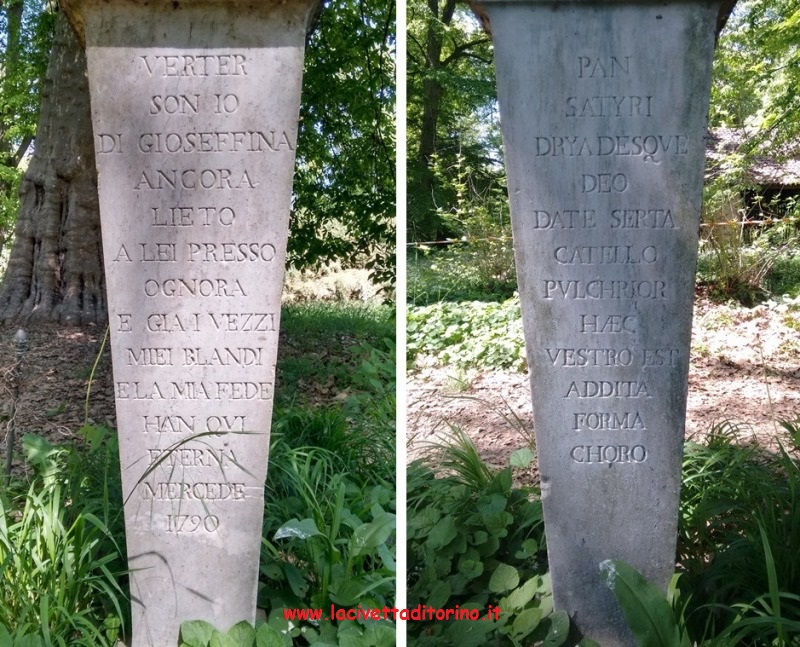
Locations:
462 51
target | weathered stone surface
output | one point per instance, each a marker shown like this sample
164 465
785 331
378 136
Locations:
603 108
195 110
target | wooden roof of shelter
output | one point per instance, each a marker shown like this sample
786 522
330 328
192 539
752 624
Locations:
776 172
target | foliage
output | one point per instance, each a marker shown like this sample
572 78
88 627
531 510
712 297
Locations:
739 540
344 179
330 501
457 273
463 335
451 114
757 72
60 557
475 542
198 633
26 33
646 610
744 262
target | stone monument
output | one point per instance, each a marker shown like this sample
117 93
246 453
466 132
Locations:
603 108
195 109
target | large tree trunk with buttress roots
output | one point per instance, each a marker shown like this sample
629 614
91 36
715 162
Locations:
55 272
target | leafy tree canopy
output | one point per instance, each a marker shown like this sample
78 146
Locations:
344 182
26 35
452 120
757 74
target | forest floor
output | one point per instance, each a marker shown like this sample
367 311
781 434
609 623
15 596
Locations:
745 370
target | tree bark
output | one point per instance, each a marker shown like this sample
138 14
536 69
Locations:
55 272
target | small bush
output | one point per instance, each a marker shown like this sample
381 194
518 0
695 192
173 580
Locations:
476 543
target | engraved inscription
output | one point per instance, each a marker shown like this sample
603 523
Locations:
189 424
564 219
241 356
582 357
192 523
195 65
149 356
651 148
244 141
177 490
174 104
642 219
630 106
604 67
604 254
194 288
193 391
608 389
603 289
193 457
608 454
604 183
191 179
188 216
604 324
596 421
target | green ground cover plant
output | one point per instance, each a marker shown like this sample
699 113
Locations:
330 511
473 334
477 542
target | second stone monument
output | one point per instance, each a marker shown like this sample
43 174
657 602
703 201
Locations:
603 109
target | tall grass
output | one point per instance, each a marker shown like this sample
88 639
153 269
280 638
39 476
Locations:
739 541
60 562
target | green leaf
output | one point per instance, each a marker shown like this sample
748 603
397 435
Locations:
521 458
519 597
196 633
299 529
219 639
5 637
525 623
504 578
369 536
529 548
439 595
266 636
558 631
470 568
645 608
30 641
296 579
242 633
442 533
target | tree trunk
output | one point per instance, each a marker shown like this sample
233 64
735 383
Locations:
55 273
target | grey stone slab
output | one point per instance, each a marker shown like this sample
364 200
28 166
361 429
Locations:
603 108
195 110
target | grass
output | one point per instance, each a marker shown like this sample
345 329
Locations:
61 546
739 539
321 346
